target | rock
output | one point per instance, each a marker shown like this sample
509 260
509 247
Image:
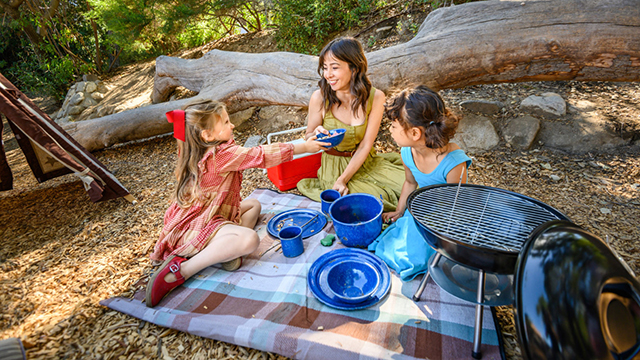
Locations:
384 28
580 134
585 106
76 99
550 105
239 117
104 110
97 96
253 141
75 110
520 132
90 87
485 107
476 133
102 87
275 118
88 102
80 86
89 77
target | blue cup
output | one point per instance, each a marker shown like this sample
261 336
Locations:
291 241
327 197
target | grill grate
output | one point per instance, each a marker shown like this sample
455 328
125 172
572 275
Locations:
479 216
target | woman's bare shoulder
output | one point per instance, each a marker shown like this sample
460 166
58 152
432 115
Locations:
316 96
379 96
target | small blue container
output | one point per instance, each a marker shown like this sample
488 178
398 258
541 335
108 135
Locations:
327 198
335 137
291 241
352 280
357 219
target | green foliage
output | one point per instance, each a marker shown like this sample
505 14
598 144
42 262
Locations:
46 68
306 25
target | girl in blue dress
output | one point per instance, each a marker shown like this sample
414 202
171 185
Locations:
422 126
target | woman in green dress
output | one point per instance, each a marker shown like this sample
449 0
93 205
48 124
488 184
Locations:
347 100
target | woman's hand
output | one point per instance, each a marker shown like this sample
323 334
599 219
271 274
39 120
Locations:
341 186
390 217
320 130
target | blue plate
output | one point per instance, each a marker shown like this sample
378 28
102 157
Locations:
319 286
297 217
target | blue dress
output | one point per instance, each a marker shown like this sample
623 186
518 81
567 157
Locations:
401 245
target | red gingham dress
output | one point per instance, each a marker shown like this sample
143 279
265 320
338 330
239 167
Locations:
187 231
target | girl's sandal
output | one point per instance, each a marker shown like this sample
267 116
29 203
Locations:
157 287
232 265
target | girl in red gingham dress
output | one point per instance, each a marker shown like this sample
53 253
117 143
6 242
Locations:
208 223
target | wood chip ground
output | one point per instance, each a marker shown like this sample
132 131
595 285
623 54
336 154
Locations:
62 254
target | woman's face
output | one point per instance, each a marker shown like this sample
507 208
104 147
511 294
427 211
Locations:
336 72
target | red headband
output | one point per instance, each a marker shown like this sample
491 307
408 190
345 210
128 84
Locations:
177 118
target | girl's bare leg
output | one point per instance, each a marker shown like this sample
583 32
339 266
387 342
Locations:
249 212
230 242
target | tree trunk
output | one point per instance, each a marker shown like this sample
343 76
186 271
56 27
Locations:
475 43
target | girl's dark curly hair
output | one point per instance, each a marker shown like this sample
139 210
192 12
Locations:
423 108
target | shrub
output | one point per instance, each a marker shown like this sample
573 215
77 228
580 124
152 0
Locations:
306 25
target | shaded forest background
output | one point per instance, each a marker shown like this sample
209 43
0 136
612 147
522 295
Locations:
46 45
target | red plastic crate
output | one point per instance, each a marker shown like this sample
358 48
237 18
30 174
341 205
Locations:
286 175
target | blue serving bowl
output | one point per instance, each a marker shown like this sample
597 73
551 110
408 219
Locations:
352 281
357 219
335 137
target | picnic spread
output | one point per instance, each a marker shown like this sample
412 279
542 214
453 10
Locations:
271 305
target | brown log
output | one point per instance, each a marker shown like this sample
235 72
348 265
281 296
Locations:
475 43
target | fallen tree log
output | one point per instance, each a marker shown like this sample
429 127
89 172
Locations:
475 43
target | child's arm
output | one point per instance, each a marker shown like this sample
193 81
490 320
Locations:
310 146
454 174
410 184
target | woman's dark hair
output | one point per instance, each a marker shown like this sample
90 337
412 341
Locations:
349 50
423 108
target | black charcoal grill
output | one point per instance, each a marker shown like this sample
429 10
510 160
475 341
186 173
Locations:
481 227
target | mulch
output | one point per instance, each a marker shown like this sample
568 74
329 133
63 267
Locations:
62 254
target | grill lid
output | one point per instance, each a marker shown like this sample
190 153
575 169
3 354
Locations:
574 297
480 216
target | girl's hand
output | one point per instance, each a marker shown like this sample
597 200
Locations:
390 217
312 145
341 186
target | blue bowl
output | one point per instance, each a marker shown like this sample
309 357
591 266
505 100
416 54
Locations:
357 219
335 137
352 281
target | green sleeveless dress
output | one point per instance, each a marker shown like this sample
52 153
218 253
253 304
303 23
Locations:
379 174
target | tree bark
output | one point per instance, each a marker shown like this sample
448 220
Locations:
475 43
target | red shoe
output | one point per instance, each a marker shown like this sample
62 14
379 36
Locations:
157 288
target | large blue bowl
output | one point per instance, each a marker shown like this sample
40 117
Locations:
357 219
335 137
352 280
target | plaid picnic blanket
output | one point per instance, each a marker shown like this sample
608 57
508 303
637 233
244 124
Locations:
267 305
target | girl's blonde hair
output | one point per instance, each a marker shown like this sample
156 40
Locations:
200 115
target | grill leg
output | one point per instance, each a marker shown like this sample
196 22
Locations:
477 336
425 279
